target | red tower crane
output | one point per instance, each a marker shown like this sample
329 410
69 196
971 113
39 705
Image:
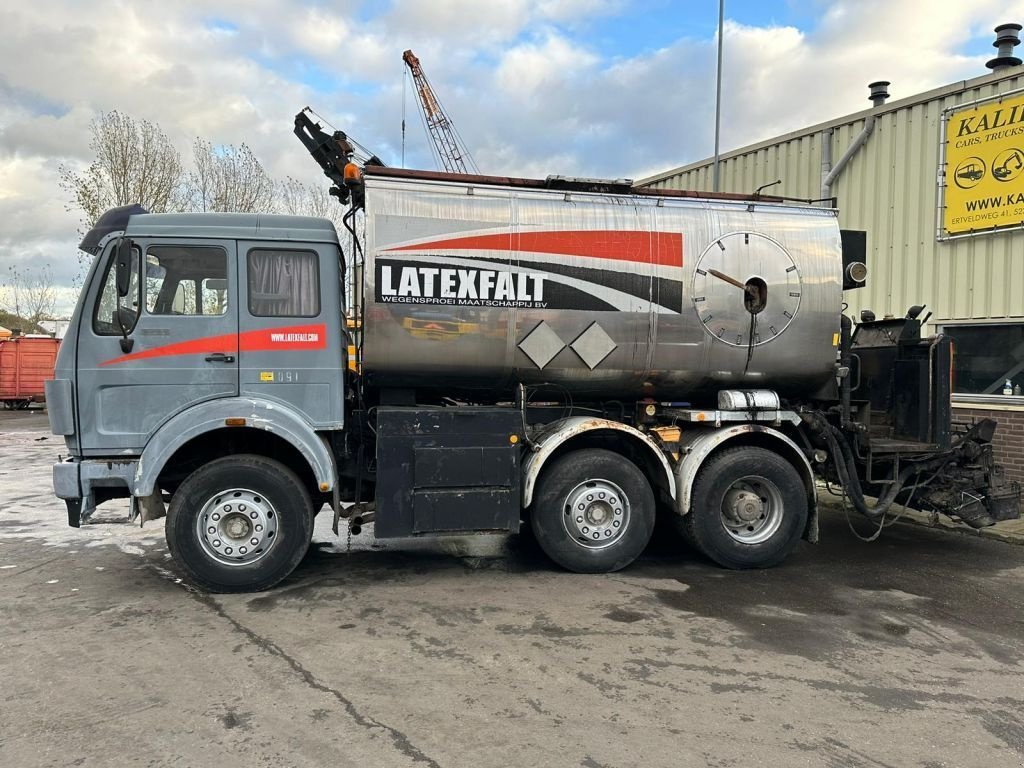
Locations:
449 148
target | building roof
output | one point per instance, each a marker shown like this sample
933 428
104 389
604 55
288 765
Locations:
892 106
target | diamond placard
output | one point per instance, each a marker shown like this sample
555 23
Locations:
593 345
541 344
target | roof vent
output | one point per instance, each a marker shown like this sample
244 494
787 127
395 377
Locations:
1007 37
879 92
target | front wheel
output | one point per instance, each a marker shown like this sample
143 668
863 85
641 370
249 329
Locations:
749 509
593 511
239 524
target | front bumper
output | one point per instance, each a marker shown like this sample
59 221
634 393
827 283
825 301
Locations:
85 483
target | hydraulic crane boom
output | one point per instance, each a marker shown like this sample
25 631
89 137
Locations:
449 149
334 153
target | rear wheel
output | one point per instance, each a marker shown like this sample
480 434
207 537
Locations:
593 511
749 509
239 524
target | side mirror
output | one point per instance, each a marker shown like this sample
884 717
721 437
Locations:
124 266
126 317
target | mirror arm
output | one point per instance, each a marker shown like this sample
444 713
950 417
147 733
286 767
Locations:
126 342
122 261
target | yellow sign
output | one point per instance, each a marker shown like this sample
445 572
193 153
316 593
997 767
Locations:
266 375
984 179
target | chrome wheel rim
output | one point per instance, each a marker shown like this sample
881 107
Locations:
237 527
596 513
752 509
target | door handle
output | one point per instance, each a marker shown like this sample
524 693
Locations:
219 357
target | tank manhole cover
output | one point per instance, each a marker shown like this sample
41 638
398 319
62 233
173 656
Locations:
593 345
541 344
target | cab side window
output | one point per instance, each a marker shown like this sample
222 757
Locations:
186 280
283 283
113 312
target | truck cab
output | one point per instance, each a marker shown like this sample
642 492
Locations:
191 327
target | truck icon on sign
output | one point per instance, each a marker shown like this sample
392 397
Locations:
969 172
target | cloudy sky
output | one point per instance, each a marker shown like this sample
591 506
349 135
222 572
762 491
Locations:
605 88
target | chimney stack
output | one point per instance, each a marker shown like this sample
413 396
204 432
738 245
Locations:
879 92
1007 37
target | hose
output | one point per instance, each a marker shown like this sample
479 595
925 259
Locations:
846 468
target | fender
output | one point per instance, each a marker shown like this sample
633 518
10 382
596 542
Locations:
560 431
697 446
260 413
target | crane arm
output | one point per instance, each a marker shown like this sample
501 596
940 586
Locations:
448 145
334 153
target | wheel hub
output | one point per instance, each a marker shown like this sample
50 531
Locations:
752 509
743 506
596 513
237 527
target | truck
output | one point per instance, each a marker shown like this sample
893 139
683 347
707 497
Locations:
26 362
569 357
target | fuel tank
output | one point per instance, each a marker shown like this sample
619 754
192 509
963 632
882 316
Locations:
473 288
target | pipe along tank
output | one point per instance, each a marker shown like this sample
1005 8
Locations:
471 289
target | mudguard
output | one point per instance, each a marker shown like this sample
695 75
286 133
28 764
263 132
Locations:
557 433
698 446
259 413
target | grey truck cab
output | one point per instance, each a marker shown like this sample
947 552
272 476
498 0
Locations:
196 334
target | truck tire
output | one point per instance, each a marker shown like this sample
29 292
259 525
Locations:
593 511
239 524
749 509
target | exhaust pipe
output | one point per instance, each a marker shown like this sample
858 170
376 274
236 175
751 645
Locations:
879 92
1007 38
356 526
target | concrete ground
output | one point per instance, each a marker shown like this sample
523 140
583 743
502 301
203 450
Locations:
476 652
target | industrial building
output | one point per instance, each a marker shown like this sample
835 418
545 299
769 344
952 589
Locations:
937 182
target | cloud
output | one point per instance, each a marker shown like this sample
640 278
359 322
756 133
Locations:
553 63
528 91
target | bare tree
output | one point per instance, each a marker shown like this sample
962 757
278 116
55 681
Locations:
135 162
29 294
229 178
301 199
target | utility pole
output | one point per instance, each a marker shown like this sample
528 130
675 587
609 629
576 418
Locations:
718 93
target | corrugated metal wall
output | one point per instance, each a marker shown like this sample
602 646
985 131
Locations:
889 189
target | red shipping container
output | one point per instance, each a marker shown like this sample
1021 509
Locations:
25 363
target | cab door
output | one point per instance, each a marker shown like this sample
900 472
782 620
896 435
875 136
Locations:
181 321
292 346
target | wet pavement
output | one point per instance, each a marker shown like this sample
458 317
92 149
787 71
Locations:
477 652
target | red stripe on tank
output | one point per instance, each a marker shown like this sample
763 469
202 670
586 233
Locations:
661 248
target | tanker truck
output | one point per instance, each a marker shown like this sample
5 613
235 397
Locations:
568 356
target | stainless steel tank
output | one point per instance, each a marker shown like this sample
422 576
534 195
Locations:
473 288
